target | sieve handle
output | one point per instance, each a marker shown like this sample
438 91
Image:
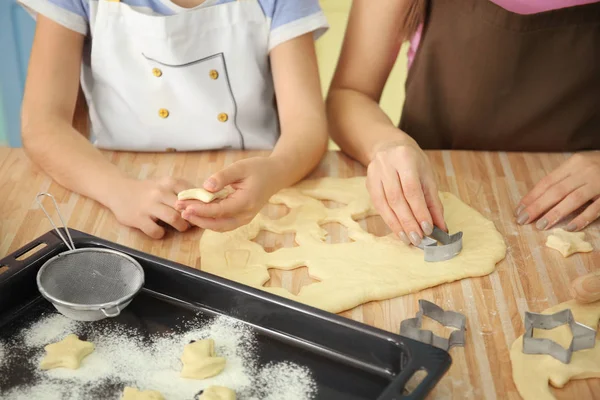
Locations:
109 314
69 244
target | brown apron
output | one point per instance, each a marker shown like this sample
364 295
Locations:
484 78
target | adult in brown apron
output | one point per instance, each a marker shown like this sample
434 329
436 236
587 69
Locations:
485 78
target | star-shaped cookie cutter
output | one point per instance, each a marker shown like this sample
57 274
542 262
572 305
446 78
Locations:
449 245
411 327
584 337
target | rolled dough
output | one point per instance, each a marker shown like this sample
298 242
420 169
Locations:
68 353
568 242
532 372
370 268
203 194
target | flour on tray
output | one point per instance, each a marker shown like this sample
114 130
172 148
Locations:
125 357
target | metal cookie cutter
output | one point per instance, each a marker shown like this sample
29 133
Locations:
411 328
584 337
449 245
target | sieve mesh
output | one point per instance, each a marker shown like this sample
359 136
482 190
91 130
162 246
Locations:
90 277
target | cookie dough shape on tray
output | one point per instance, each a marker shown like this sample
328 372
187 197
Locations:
568 243
350 274
217 393
68 353
533 372
199 360
131 393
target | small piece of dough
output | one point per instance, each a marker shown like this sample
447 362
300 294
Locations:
203 195
131 393
568 243
217 393
199 361
68 353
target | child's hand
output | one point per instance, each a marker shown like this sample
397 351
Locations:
254 181
143 204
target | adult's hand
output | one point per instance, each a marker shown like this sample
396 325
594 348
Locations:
404 191
572 185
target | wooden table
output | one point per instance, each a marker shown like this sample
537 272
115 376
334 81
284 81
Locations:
532 277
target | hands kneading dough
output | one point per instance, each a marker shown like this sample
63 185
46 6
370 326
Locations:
568 242
199 361
131 393
203 195
68 353
217 393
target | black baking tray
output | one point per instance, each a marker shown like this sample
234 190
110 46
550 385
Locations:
348 360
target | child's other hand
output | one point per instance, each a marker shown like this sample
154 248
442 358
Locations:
143 204
254 181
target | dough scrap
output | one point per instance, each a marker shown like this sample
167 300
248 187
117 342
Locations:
217 393
199 361
203 194
131 393
568 243
532 372
350 274
68 353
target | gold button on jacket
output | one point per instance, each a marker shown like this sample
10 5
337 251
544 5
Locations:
214 74
156 72
223 117
163 113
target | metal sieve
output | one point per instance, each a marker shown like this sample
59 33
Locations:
88 284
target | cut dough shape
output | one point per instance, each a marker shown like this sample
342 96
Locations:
68 353
350 274
532 372
217 393
203 194
131 393
568 243
199 361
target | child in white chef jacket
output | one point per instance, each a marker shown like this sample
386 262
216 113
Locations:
176 75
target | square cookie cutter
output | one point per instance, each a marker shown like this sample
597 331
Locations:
411 327
440 246
584 337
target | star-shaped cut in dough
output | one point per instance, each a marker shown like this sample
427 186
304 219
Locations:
199 361
68 353
131 393
568 243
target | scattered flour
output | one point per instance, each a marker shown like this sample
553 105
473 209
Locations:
123 358
1 353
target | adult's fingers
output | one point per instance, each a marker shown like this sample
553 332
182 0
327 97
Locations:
589 215
434 204
375 188
168 214
543 185
217 225
413 192
552 196
231 174
395 198
572 202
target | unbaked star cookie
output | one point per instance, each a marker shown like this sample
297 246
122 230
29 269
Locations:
199 361
568 243
131 393
68 353
216 393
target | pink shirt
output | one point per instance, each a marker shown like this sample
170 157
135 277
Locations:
516 6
